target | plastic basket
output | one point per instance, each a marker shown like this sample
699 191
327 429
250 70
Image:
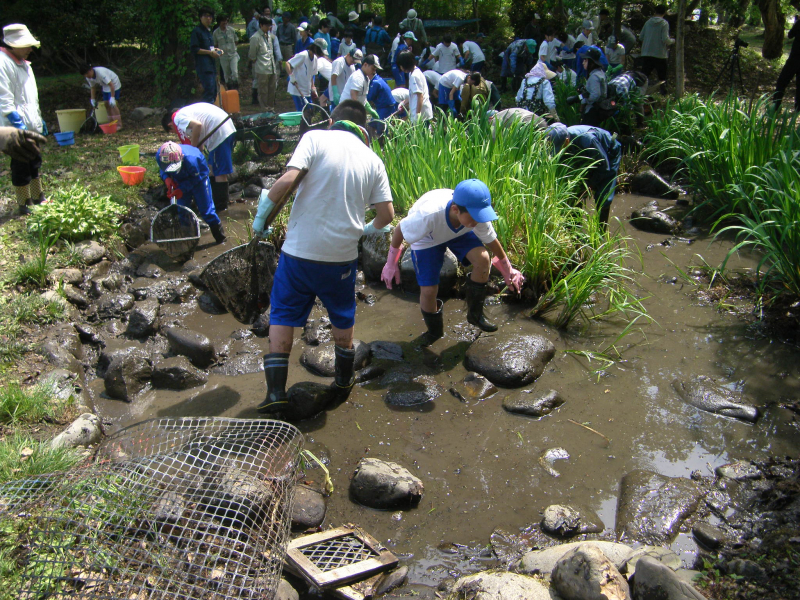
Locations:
391 83
65 139
71 119
129 154
131 175
291 119
109 127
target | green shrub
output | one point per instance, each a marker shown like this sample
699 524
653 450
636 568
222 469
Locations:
74 214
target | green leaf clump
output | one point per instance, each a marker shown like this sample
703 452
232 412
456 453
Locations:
75 214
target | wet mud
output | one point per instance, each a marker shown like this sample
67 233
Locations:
479 463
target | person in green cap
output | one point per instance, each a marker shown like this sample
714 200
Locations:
518 59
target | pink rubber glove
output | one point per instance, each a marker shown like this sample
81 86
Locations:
513 278
391 271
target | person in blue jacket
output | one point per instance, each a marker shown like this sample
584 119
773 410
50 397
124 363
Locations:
600 149
201 44
381 98
185 172
400 78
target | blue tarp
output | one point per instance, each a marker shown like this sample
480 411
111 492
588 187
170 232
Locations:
446 23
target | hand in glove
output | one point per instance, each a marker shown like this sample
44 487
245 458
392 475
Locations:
112 101
512 277
93 102
391 270
335 92
371 111
20 144
15 120
173 191
369 228
265 206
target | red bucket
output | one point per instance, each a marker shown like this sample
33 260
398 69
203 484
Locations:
132 175
109 127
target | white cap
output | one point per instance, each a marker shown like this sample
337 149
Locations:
352 16
412 14
17 35
303 26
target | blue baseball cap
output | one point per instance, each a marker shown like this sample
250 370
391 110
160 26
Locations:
474 195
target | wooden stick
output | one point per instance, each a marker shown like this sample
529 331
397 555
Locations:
590 429
284 199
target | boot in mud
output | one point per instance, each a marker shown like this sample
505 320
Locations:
476 295
435 324
218 233
345 359
220 195
276 371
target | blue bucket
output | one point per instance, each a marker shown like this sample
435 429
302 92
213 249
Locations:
65 139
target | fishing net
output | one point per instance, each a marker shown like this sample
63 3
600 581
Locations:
314 117
194 508
176 230
242 279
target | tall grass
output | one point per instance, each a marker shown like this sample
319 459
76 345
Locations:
542 224
31 405
21 456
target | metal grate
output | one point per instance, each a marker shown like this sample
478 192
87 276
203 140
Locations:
176 230
339 552
173 509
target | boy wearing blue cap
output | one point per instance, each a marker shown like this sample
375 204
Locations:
458 220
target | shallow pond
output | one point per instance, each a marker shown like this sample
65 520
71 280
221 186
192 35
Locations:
479 463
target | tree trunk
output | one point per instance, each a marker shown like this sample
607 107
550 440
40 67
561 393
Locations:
738 15
618 21
774 21
395 12
680 75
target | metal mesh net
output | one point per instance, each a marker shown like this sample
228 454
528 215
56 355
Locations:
174 508
176 230
242 279
338 552
314 117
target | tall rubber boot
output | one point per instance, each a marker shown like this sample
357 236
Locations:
255 96
345 359
23 193
605 211
476 295
218 233
435 323
37 195
276 372
220 195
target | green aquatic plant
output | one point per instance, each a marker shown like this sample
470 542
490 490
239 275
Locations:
74 213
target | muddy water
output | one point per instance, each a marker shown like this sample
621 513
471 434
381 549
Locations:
479 464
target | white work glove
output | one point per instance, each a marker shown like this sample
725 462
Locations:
112 101
94 103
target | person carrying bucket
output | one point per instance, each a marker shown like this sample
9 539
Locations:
110 85
19 108
184 170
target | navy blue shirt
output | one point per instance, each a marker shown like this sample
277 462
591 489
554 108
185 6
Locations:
597 145
300 45
380 94
201 40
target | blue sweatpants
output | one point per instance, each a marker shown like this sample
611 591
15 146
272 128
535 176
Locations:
201 194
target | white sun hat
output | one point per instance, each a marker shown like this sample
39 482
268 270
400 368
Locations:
17 35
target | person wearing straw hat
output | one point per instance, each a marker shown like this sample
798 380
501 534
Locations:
536 94
586 36
184 170
301 69
319 258
415 25
341 70
458 220
19 108
595 90
265 56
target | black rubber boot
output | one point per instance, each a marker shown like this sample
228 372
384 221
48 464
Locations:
255 96
476 295
218 233
220 195
605 211
345 359
276 372
435 324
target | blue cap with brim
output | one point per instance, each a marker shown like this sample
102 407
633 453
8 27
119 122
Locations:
558 134
474 195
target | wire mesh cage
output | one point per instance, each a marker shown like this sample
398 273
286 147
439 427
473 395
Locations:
176 230
195 508
242 279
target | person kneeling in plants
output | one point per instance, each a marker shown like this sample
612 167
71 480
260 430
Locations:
600 150
185 172
459 220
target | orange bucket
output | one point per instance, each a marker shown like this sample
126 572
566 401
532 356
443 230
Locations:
132 175
230 100
109 127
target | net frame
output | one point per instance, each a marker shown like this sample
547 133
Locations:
194 508
176 230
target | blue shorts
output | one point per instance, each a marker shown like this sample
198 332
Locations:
299 282
428 262
444 94
220 159
107 95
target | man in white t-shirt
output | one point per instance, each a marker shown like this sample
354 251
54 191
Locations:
319 258
195 123
110 86
301 69
419 100
458 220
447 55
614 51
586 36
357 86
549 47
472 54
341 70
450 89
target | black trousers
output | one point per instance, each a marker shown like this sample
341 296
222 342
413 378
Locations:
659 65
790 70
23 172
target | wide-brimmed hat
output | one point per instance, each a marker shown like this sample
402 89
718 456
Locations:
410 35
171 155
587 24
17 35
593 54
411 14
549 74
323 44
371 59
352 16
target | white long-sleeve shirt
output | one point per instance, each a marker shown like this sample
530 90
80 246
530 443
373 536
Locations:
18 92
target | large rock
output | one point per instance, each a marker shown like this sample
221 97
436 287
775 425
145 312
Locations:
566 521
655 581
542 562
498 585
584 573
304 400
76 296
706 394
381 484
69 275
128 374
197 347
114 306
650 183
177 373
663 555
650 218
651 507
83 431
90 251
528 402
63 348
381 350
448 275
374 249
321 360
309 508
414 392
144 318
140 113
510 360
